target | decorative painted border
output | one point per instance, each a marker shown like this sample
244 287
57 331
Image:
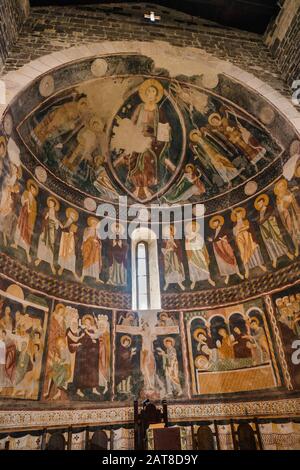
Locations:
33 419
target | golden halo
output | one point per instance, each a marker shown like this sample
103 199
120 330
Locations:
279 184
215 116
125 338
262 197
88 317
91 221
56 203
235 211
168 340
30 183
58 306
194 134
3 141
216 218
151 82
72 214
189 166
198 331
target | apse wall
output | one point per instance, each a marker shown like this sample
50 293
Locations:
230 309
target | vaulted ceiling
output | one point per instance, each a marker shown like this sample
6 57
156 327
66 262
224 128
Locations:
249 15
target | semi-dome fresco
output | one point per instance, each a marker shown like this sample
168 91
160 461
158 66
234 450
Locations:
226 303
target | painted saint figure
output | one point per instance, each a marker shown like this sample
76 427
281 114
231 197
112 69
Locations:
170 367
197 254
27 218
91 251
211 158
172 259
117 257
67 248
47 237
249 250
223 251
270 230
289 212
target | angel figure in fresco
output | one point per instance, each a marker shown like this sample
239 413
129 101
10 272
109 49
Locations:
67 248
150 140
46 245
211 158
27 218
60 120
189 185
249 250
81 160
197 254
170 367
91 249
102 182
172 259
270 230
223 251
289 211
117 257
237 135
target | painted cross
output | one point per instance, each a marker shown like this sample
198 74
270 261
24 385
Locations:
152 17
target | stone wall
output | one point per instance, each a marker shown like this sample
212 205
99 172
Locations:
51 29
12 13
283 38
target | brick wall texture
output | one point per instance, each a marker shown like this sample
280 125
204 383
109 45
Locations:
49 29
283 38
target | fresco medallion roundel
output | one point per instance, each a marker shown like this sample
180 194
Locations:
147 141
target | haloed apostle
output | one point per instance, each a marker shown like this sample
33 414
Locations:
223 251
91 249
27 218
67 248
47 237
117 256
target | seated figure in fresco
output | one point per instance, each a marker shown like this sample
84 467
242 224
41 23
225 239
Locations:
242 348
249 249
237 135
289 211
145 167
60 120
189 185
270 230
218 165
223 251
225 349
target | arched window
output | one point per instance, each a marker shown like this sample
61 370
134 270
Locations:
145 271
142 274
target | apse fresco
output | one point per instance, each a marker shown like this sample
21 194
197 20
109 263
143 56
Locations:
119 125
137 135
230 350
287 312
23 326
